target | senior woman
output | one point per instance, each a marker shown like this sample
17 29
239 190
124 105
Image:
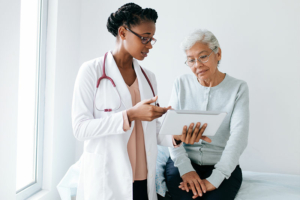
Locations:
204 170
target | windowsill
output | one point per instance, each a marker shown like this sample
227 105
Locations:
40 194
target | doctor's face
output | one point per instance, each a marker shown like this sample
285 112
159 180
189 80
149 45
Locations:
133 41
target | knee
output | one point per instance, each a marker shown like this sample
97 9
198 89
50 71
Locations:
171 172
173 180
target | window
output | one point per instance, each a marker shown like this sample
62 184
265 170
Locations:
31 97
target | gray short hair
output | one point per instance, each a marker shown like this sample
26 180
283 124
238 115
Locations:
203 36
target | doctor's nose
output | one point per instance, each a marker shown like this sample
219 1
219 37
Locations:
149 45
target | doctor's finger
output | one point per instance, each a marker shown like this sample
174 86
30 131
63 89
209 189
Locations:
159 109
153 116
149 101
167 108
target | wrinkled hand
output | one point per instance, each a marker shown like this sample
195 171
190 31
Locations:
189 136
192 181
208 185
145 112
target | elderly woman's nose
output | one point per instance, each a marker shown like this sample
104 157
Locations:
198 63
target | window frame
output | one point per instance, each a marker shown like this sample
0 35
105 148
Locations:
36 186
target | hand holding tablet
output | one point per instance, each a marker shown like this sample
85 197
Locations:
181 124
191 135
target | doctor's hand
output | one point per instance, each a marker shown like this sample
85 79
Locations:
190 136
145 112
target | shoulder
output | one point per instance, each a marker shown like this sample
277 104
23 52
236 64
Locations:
184 80
91 65
237 86
90 70
234 82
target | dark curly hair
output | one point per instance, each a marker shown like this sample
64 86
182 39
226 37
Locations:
129 14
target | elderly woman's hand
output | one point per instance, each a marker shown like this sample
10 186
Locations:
192 181
208 187
190 136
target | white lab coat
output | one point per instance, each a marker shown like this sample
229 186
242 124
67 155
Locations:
105 168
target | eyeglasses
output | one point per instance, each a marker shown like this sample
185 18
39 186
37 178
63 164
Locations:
145 40
202 59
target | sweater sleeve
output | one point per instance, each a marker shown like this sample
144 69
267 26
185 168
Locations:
179 154
239 128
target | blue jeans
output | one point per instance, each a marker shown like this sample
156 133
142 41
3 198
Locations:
166 197
226 191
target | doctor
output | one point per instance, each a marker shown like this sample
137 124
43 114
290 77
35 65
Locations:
115 113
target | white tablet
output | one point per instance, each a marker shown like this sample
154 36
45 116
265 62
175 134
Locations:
175 120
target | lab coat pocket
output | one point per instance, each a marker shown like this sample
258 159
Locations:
93 179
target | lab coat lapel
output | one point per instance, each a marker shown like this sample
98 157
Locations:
144 87
113 71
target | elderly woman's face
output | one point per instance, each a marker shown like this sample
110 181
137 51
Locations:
203 71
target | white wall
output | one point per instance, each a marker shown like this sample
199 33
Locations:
62 64
9 60
260 43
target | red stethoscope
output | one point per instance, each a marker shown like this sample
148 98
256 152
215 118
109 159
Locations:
104 76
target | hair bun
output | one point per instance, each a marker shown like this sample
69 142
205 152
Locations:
129 14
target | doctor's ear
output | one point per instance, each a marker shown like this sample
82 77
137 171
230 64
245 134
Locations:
122 32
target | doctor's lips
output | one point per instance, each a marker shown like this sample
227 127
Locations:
145 54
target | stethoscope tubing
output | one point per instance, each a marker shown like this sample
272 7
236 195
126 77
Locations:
104 76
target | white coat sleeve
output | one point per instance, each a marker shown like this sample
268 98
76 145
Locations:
85 126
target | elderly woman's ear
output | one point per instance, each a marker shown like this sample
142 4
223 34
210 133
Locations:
219 55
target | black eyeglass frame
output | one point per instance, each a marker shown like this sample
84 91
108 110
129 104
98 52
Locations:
143 38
